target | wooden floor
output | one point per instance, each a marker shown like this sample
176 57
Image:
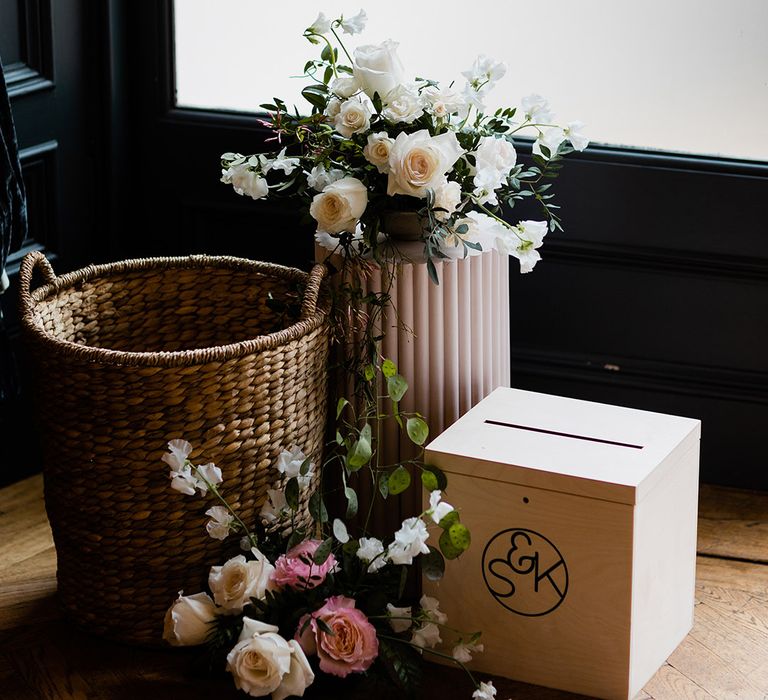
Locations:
41 656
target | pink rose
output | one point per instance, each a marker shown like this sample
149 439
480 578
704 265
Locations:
352 647
296 569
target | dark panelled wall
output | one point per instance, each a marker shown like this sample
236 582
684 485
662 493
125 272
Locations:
655 297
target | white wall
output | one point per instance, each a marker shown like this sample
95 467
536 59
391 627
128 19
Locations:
677 75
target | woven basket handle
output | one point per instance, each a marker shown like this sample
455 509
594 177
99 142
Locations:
31 262
312 290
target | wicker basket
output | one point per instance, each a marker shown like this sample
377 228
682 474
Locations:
132 354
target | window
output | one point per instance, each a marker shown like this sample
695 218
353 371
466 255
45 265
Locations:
682 76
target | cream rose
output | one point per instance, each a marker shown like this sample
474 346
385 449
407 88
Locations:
418 162
378 68
299 676
237 581
403 104
259 663
377 150
354 116
333 108
188 620
340 205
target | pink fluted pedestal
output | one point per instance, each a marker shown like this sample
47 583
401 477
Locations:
450 342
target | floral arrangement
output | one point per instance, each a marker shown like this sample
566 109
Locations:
377 142
307 597
312 593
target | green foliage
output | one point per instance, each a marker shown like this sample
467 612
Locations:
433 564
403 665
399 480
441 479
292 493
417 430
323 551
317 507
360 453
396 387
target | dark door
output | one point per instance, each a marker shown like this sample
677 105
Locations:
52 54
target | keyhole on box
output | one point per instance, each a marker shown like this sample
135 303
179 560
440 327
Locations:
525 499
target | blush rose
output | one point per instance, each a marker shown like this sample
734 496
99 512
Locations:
295 569
352 647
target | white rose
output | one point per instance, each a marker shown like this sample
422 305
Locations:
354 116
259 663
448 197
245 181
299 676
345 86
237 581
403 104
378 68
340 205
188 620
419 162
377 150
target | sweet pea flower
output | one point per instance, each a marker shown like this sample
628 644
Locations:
275 507
220 524
429 607
427 636
462 652
370 551
289 465
282 162
410 541
352 647
537 109
438 509
486 691
356 24
322 25
177 455
296 569
397 617
574 135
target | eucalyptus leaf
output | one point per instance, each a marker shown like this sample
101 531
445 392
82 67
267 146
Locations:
323 551
351 496
317 507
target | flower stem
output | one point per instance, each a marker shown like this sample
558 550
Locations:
341 43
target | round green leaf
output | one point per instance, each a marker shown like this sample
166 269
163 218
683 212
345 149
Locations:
388 368
417 430
449 550
460 537
442 479
451 519
396 387
429 480
399 480
433 564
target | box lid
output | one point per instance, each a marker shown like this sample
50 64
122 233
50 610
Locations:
563 444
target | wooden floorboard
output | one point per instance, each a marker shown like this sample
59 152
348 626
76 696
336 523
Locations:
43 657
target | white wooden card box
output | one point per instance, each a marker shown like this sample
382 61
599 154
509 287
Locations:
583 519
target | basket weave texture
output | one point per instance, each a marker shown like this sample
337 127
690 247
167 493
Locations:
130 355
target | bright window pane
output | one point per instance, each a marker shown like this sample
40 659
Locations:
682 75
